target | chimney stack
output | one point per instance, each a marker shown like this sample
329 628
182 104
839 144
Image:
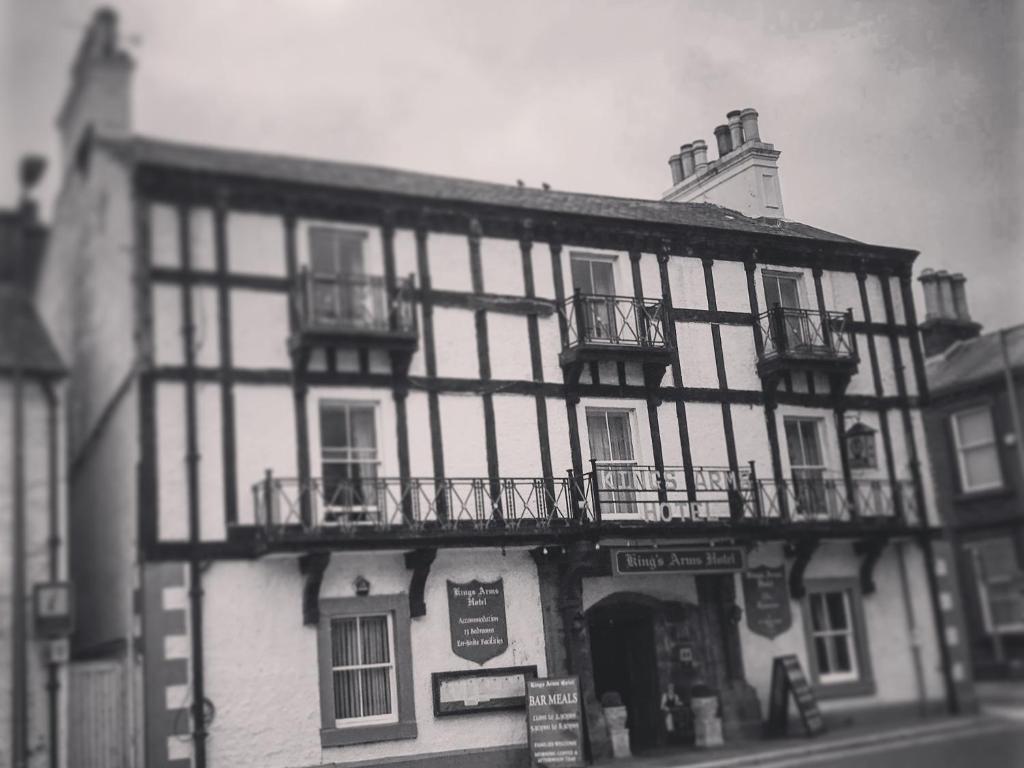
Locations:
723 139
99 98
675 163
744 177
947 319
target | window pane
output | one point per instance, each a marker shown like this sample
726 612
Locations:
334 427
581 275
350 252
597 427
981 466
789 292
771 291
322 251
818 613
821 652
346 694
344 643
974 427
604 277
374 635
376 684
836 605
812 443
841 653
794 443
620 437
363 428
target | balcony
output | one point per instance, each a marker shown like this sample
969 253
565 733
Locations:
804 339
616 329
355 310
610 499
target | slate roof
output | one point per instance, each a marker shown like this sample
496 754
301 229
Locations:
971 362
22 334
376 179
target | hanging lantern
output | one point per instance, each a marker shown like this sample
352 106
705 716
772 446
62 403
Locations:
860 447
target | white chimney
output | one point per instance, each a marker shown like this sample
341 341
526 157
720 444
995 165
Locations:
99 98
745 177
686 156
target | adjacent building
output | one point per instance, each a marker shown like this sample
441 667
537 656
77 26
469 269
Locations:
975 437
356 451
34 607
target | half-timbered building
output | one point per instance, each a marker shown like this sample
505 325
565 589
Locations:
318 409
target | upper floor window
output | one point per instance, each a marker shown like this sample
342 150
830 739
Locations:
348 457
593 275
337 272
611 446
782 289
977 451
808 465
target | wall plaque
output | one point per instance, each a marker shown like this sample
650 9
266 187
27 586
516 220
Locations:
554 722
476 611
630 562
766 595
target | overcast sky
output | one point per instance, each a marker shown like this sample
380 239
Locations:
899 123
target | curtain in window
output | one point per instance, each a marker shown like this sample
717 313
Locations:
361 657
830 625
376 682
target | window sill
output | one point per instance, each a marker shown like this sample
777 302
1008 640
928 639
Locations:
844 690
364 734
965 497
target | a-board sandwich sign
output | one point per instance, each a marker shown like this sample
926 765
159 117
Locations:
554 722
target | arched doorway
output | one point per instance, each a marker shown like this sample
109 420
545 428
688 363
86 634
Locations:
624 655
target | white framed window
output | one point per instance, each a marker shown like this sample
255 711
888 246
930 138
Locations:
977 451
610 432
593 275
349 457
808 465
833 636
363 676
1000 584
783 289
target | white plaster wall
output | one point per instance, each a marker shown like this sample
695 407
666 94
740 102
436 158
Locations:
650 276
875 301
887 366
262 662
515 423
550 347
675 587
740 357
462 430
558 435
168 345
211 462
885 625
909 375
455 343
206 321
899 312
165 245
697 355
686 278
259 329
502 266
449 262
418 416
509 345
671 447
256 244
404 244
707 435
202 243
264 439
845 295
731 286
172 477
931 506
751 434
863 381
543 274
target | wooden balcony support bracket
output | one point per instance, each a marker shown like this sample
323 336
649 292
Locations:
654 373
801 550
312 566
869 551
419 561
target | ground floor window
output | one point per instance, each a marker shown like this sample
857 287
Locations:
1000 584
365 670
836 638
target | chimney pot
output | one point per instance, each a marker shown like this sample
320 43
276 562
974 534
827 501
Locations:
946 307
735 129
676 164
929 282
700 156
686 157
723 139
959 287
748 118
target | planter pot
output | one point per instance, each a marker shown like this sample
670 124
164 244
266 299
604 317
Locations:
616 718
704 708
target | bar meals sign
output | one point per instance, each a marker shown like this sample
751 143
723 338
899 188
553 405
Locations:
632 562
476 610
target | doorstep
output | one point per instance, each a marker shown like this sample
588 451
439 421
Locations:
753 753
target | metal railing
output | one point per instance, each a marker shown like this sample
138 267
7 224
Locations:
614 321
807 333
355 303
610 494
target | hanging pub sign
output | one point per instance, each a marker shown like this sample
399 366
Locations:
637 561
476 611
766 596
554 722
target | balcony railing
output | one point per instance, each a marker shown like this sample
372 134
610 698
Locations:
615 322
355 304
806 334
612 496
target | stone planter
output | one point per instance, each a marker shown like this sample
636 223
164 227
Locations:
616 719
706 724
704 707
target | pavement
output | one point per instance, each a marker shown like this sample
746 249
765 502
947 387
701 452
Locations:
994 738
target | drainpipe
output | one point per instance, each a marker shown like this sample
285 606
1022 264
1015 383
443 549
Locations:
53 548
1011 395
